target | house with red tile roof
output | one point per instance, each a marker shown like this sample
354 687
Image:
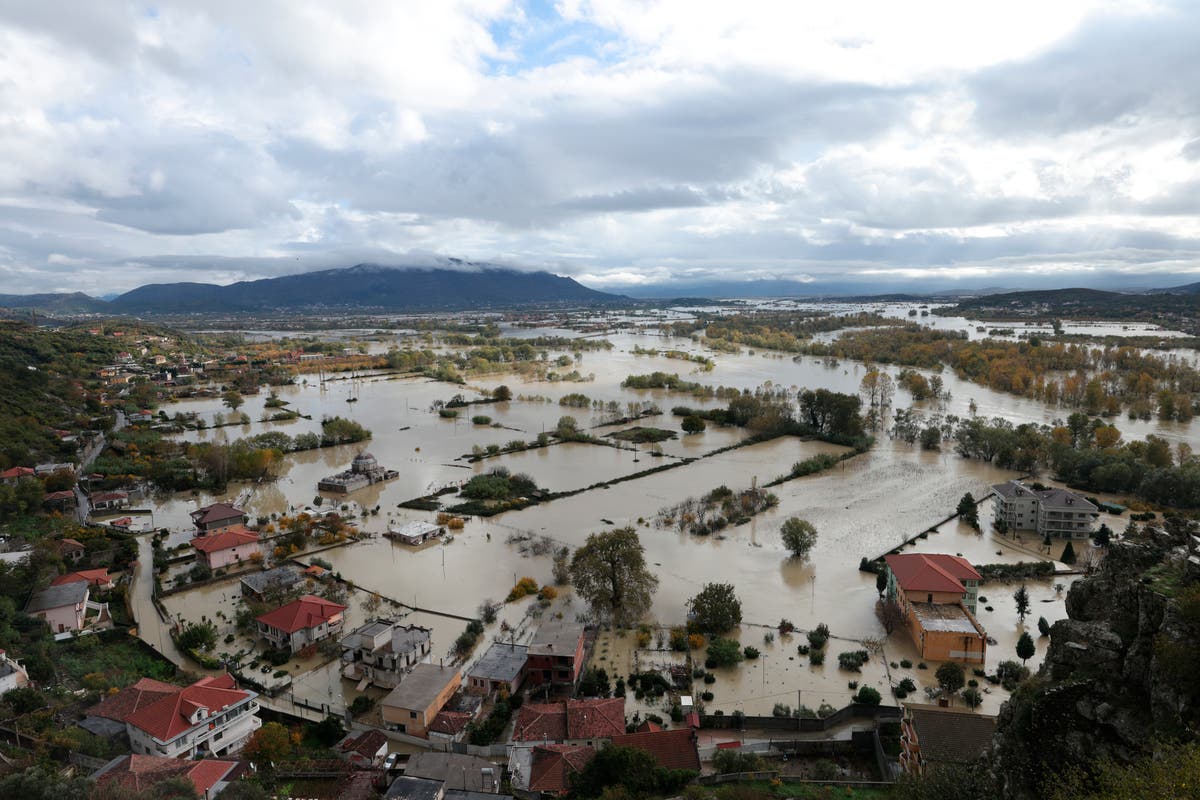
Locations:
138 773
15 474
118 707
71 549
547 769
302 622
367 749
216 517
228 546
673 749
96 578
210 717
938 594
570 721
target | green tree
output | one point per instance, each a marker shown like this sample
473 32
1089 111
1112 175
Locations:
328 731
1021 598
716 608
1043 626
868 696
633 769
268 744
723 652
881 582
609 572
40 783
968 510
1025 647
799 536
950 677
502 393
1068 554
972 697
198 636
232 399
692 424
244 790
1169 774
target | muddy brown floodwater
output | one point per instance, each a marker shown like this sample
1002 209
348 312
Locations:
863 507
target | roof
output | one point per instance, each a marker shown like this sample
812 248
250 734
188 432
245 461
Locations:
233 536
120 705
168 717
931 572
281 577
308 611
450 723
215 513
69 544
648 726
95 577
367 744
409 788
455 770
552 766
951 735
570 719
139 773
65 494
16 472
673 749
946 617
1064 500
1010 489
421 687
501 662
64 594
556 636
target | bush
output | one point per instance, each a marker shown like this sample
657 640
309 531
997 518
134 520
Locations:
816 657
481 419
868 696
706 696
818 636
723 652
750 653
361 704
278 657
726 762
709 678
852 660
905 663
972 697
1010 674
1043 626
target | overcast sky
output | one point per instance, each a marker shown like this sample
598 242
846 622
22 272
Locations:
619 141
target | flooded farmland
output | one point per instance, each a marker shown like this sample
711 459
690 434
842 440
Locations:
863 507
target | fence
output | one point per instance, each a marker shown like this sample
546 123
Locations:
799 724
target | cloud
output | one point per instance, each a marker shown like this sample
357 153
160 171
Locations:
626 142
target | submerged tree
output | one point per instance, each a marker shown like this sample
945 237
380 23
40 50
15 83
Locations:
799 536
716 608
610 573
1021 598
1025 647
968 509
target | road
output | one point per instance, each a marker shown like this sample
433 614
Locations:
83 506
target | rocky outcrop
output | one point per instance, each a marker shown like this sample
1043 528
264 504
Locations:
1111 681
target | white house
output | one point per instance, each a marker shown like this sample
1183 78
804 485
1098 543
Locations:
210 717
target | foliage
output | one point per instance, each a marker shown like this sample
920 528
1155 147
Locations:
818 636
852 660
1021 598
499 484
594 683
609 572
198 636
1025 647
692 424
43 783
468 638
1068 554
950 677
968 510
716 609
270 743
972 697
1043 626
723 652
868 695
491 728
1168 774
633 770
523 588
328 731
726 762
799 536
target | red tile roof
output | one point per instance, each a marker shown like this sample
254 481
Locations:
215 513
570 719
450 723
120 705
95 577
307 612
139 773
552 766
233 536
648 726
674 749
169 716
65 545
935 572
367 744
16 472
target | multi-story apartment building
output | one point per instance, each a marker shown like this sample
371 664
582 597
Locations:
210 717
1050 512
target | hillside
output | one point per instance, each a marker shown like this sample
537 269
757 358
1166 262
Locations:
1177 308
65 303
365 287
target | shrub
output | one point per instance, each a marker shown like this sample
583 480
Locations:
706 697
709 678
524 587
750 653
1043 626
868 696
481 419
818 636
904 662
724 652
816 657
1010 674
972 697
361 704
852 660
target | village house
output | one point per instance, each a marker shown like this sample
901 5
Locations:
71 550
932 735
500 669
414 533
546 769
304 621
12 674
1056 513
62 500
65 607
210 717
365 750
412 706
107 718
590 722
109 501
257 585
138 774
937 594
217 516
14 475
382 651
455 771
556 654
228 546
95 578
674 749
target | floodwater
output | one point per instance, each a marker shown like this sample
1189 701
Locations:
863 507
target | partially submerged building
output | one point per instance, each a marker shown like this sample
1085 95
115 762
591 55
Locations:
363 472
500 669
414 533
556 654
383 651
304 621
412 706
937 594
1051 512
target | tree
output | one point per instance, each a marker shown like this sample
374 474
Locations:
1021 597
1025 647
1068 554
972 697
632 769
244 790
968 509
799 536
890 614
502 394
609 572
692 424
868 696
1043 626
716 608
881 582
950 677
724 652
269 744
328 731
198 636
232 399
40 783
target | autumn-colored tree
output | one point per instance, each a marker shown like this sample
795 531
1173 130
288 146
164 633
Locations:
269 744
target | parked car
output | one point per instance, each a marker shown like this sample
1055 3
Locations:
392 761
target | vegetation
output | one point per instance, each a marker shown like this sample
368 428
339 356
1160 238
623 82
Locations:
629 772
716 609
499 484
799 536
716 510
950 677
609 572
723 653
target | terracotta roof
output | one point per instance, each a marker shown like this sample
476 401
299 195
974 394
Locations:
450 723
168 717
950 735
307 612
120 705
674 749
105 497
226 539
215 513
65 494
95 577
570 719
16 472
553 765
140 773
366 744
69 544
648 726
935 572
